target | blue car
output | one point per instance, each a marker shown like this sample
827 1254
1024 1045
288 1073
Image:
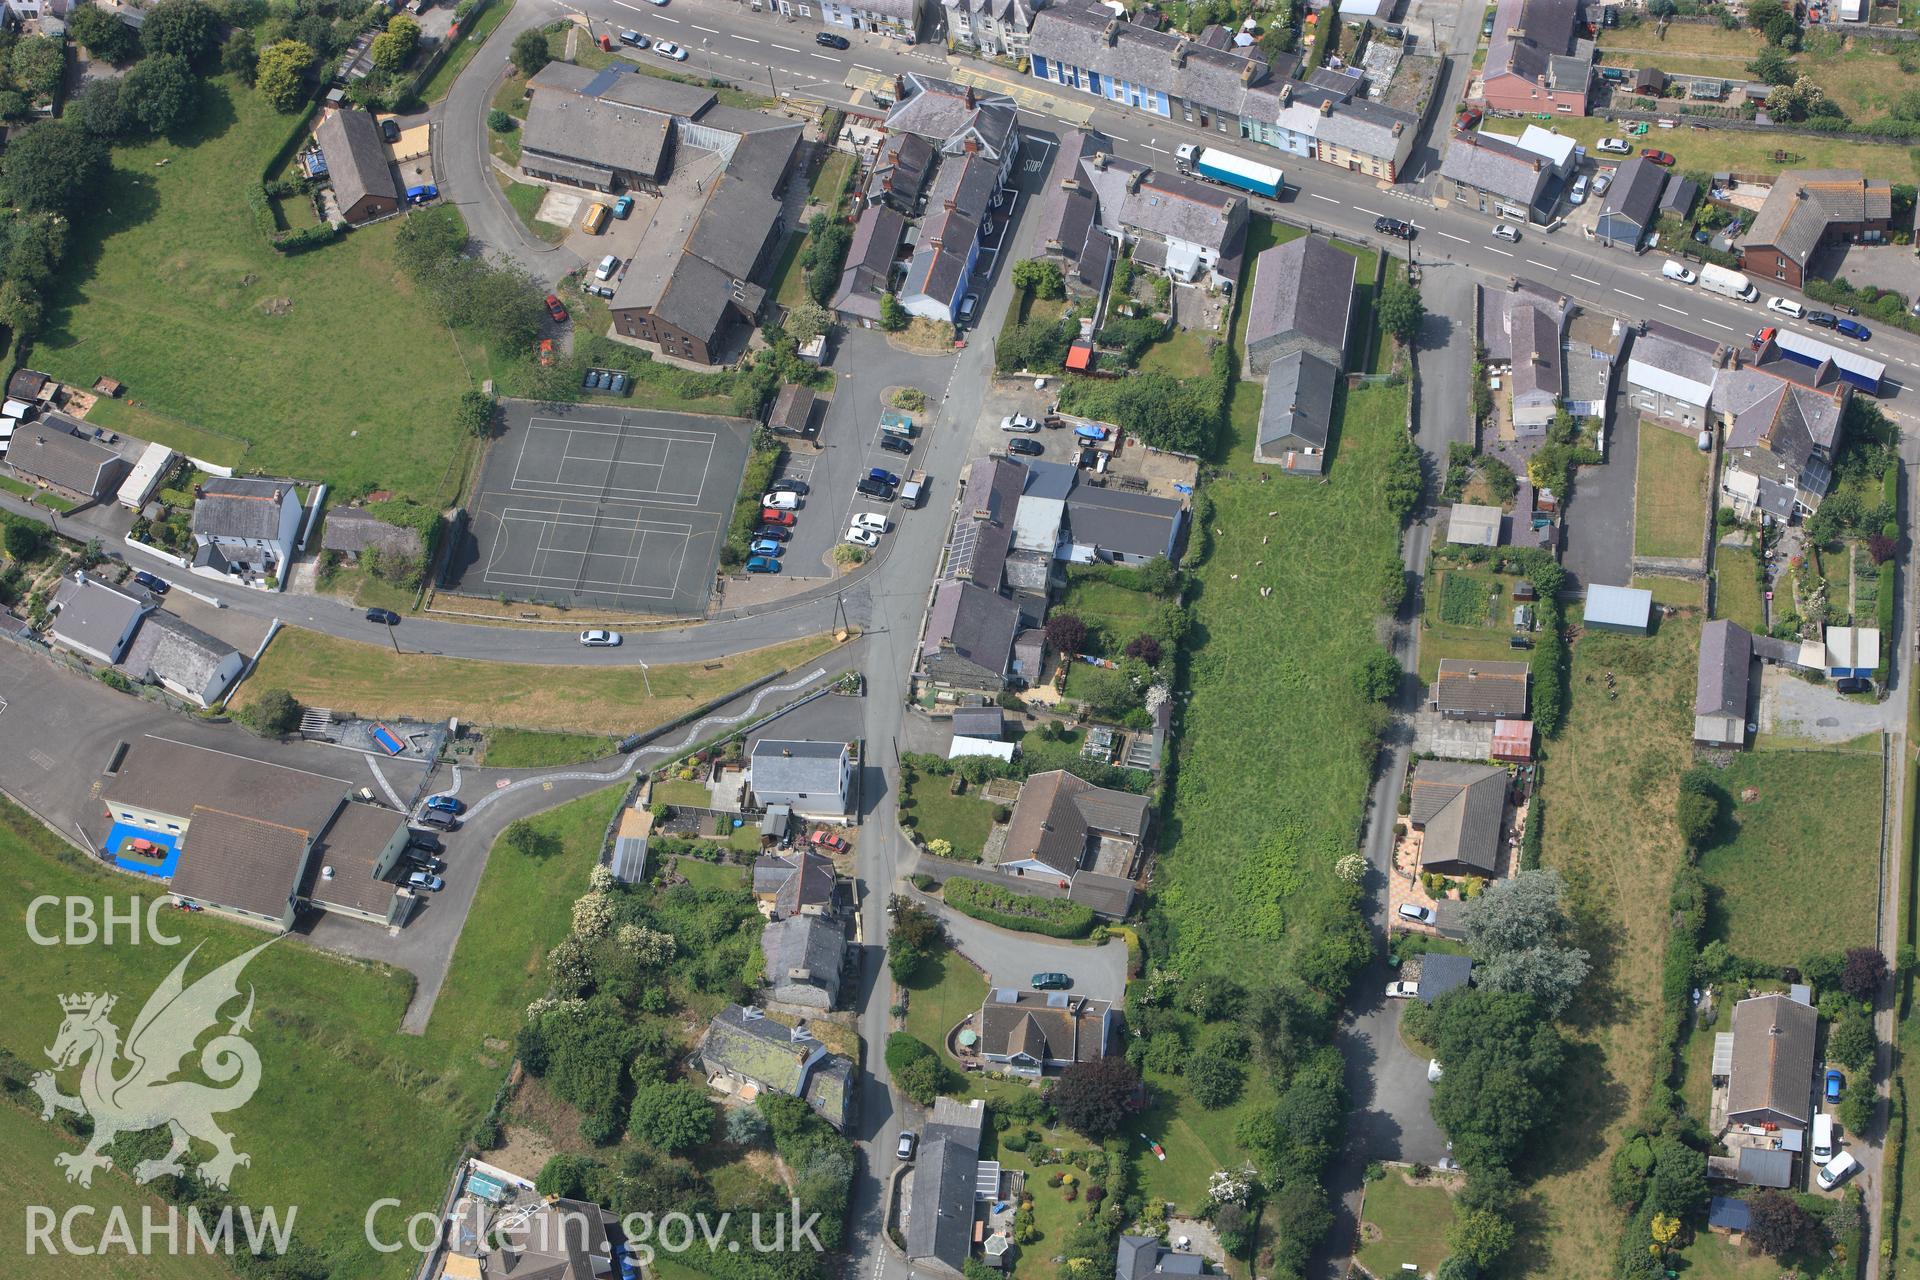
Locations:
763 564
764 547
151 582
445 804
1835 1084
624 205
880 475
1853 329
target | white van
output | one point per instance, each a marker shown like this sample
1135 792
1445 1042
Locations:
1837 1171
1674 271
1823 1138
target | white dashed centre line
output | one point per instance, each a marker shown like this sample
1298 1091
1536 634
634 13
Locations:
823 57
1502 252
1449 235
1317 196
1716 324
712 31
1535 262
748 39
786 49
1676 310
1589 279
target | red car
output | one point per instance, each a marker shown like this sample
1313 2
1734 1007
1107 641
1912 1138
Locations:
828 840
557 309
1658 157
769 516
1468 118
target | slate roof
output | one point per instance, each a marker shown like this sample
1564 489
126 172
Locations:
1122 521
1296 409
1095 40
559 1240
1495 689
900 169
356 162
966 184
1729 1213
1043 1024
1675 351
1056 814
974 623
948 115
1496 167
1803 203
876 238
1366 127
1721 679
354 529
1635 193
1304 286
755 1047
940 261
941 1214
54 449
979 722
1134 197
242 862
983 528
1773 1042
616 83
173 778
1679 195
816 944
236 507
1459 808
607 134
1545 30
170 649
804 878
1139 1257
790 765
792 408
1441 972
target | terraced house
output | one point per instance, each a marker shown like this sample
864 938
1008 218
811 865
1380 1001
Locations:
1538 58
1170 75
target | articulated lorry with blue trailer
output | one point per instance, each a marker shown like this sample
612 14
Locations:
1230 170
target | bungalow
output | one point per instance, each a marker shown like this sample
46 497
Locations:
183 659
1721 684
1468 689
948 1183
1459 810
354 531
801 883
245 527
1771 1081
357 165
813 780
745 1053
1143 1257
55 451
1473 524
805 955
1063 824
1628 609
969 638
1808 208
1117 526
1027 1033
94 619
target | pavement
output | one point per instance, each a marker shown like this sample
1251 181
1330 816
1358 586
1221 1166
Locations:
1009 959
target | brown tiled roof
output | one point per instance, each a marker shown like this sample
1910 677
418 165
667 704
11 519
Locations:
1044 1024
1057 810
245 863
357 837
1496 689
1773 1039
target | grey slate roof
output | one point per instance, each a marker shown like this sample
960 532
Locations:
940 1220
1546 32
941 259
983 528
1661 346
170 649
1441 972
1720 682
815 945
1773 1043
54 449
618 83
1096 41
786 765
803 878
356 162
354 529
1679 196
979 722
1459 808
973 623
1804 202
1304 286
965 183
1136 198
237 507
1634 196
1296 410
1121 521
1366 127
876 238
1496 167
949 115
599 132
94 614
900 170
1140 1257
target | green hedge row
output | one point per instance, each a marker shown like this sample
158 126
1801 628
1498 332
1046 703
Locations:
1889 588
1054 917
746 508
307 238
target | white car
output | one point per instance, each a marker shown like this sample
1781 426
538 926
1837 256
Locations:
670 51
1434 1071
1616 146
1416 913
608 265
1786 307
862 537
1018 422
870 520
1402 990
1506 231
1579 193
600 639
781 500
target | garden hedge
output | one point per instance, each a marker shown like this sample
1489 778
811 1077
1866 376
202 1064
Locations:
1054 917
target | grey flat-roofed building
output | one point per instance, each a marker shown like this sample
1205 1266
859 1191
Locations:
1617 609
96 619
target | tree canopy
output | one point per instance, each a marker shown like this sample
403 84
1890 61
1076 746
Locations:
52 166
280 73
1095 1098
1518 931
1500 1056
187 28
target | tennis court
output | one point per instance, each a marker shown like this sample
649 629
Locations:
587 505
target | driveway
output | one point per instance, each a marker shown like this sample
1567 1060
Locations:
1392 1115
1796 708
1010 959
1599 517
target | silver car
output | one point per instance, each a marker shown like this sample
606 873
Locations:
597 638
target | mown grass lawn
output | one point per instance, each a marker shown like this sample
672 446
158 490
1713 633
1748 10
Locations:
1670 495
325 365
519 749
1736 591
1197 1141
339 1080
1118 613
1681 593
965 820
1610 788
372 680
526 197
1797 867
702 874
945 989
1412 1223
1722 150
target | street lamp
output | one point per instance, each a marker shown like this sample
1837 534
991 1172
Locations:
645 678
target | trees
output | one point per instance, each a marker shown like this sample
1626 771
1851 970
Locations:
163 92
1146 648
828 239
808 320
280 73
240 56
1378 676
1679 1184
23 539
1778 1225
36 64
1774 20
52 166
102 33
745 1126
1699 807
1517 931
1213 1080
1095 1098
475 414
393 48
274 712
1066 633
1402 311
1480 1237
1851 1043
1501 1056
186 28
1862 973
915 933
1403 478
893 316
670 1117
1773 66
99 109
1041 276
1032 345
530 51
1802 100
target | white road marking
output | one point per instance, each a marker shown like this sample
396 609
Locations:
1329 199
1502 252
748 39
1371 213
788 50
712 31
1150 147
664 18
823 57
1623 293
1676 310
1117 138
1449 235
1589 279
861 66
1535 262
1716 324
636 8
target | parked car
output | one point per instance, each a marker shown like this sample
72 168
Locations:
634 39
1051 981
831 41
1402 990
424 840
969 304
1416 913
880 475
421 194
762 564
590 380
424 861
1018 422
426 881
607 266
1578 195
1468 119
439 818
1506 231
1661 158
389 131
780 500
862 537
152 582
769 515
1602 181
771 533
763 547
623 207
869 520
1030 448
828 840
668 49
895 444
1825 319
445 804
1853 684
556 308
385 617
1837 1171
1853 329
874 489
1786 307
786 485
1615 146
1486 28
600 638
905 1149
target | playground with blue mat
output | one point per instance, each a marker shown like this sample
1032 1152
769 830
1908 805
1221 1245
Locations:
120 848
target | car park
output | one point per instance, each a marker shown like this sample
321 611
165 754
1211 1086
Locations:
607 266
895 444
1416 913
874 489
600 638
829 40
385 617
1030 448
623 207
1661 158
1402 990
869 520
1825 319
862 537
1786 307
634 39
770 515
786 485
762 564
763 547
1853 329
445 804
771 533
1853 684
426 881
1615 146
1051 981
780 500
556 309
152 582
905 1148
668 49
1018 422
1506 231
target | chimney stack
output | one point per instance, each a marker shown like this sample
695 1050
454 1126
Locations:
1112 33
1180 52
972 102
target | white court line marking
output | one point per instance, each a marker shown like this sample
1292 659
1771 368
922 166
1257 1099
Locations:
1716 324
549 522
1623 293
1676 310
1589 279
1317 196
1449 235
1502 252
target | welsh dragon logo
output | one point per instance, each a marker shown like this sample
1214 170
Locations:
131 1088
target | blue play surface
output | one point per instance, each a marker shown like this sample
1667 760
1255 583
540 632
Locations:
125 831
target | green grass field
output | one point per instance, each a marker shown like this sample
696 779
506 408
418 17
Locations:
1411 1221
1800 869
702 874
1681 593
1670 494
520 749
1736 592
966 820
339 1080
944 990
525 197
325 363
1119 613
449 71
